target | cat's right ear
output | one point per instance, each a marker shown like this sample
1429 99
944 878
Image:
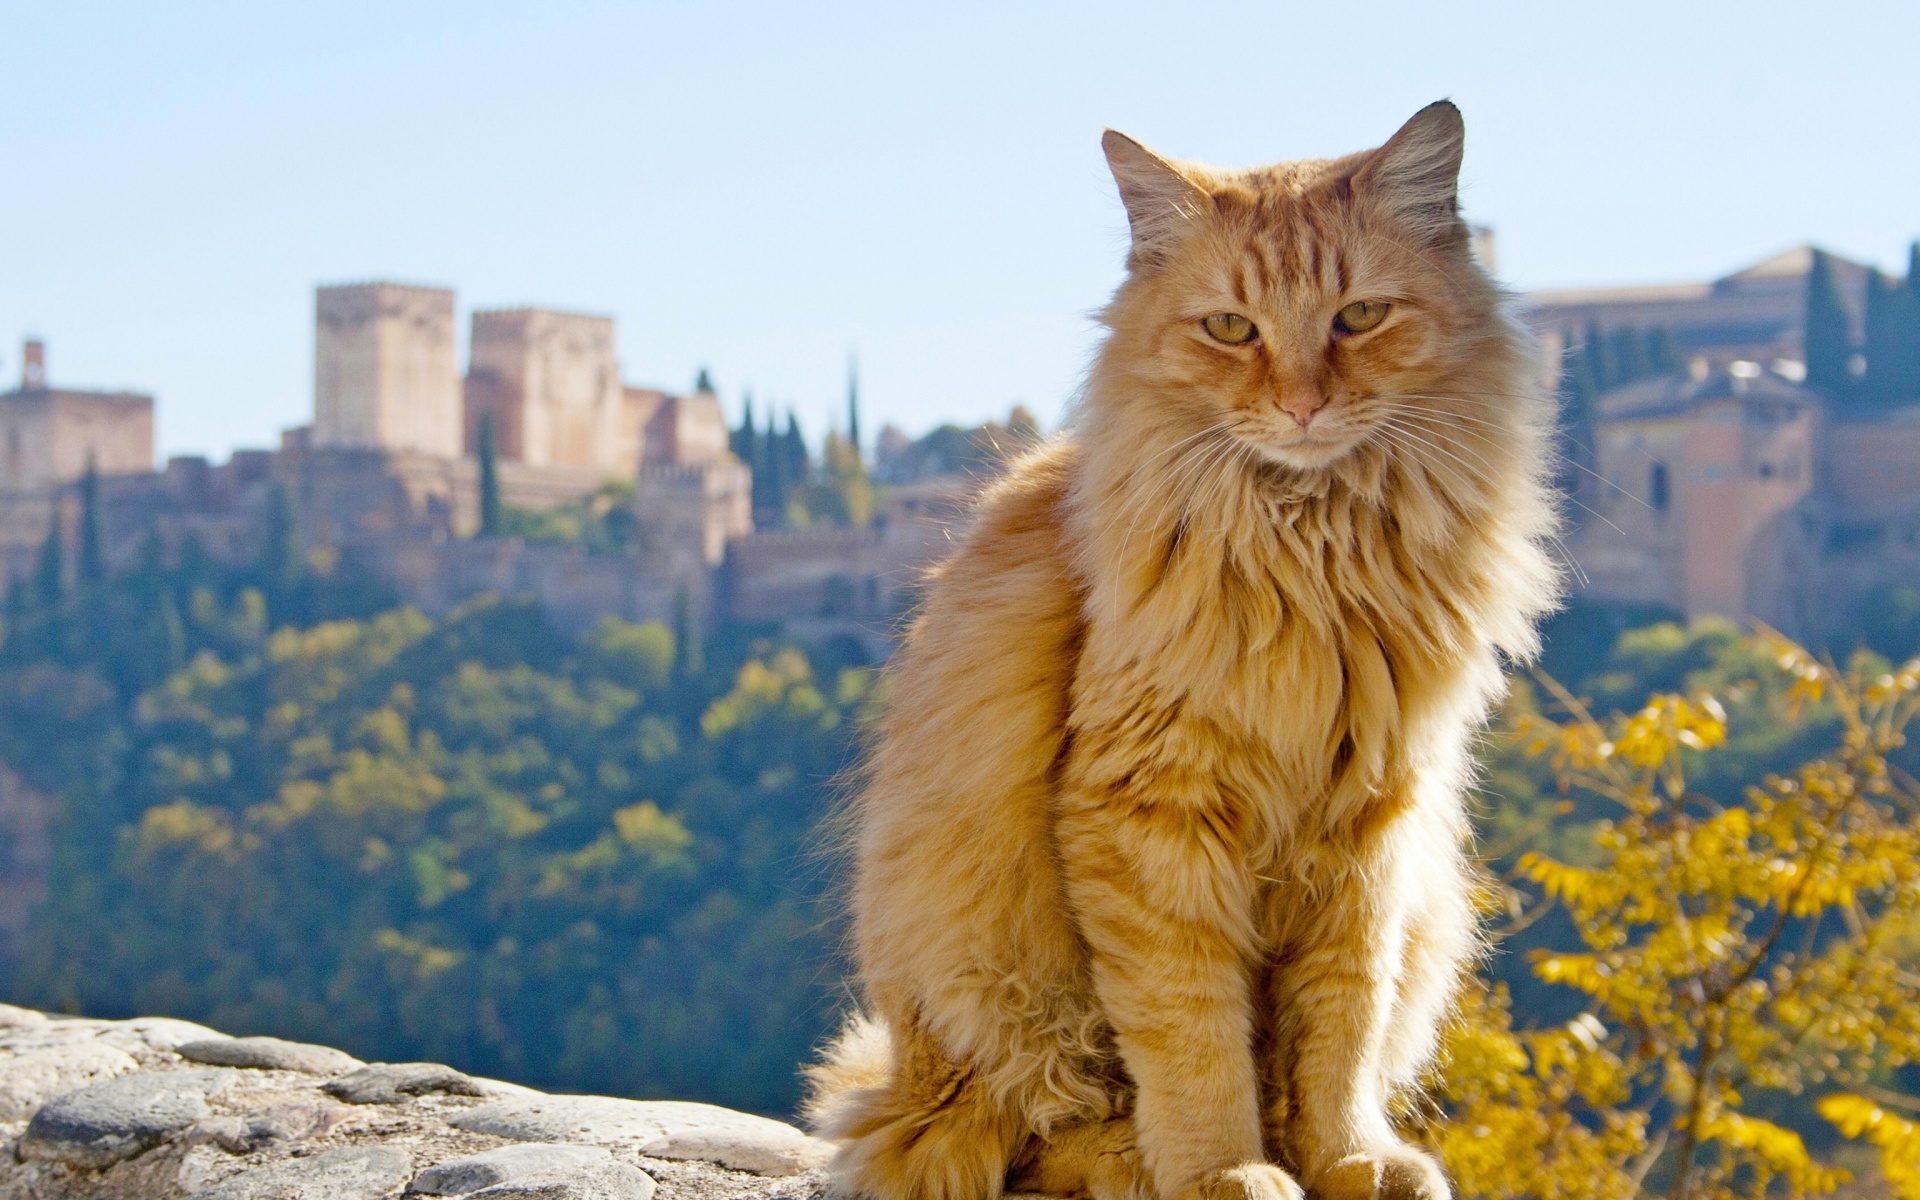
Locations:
1160 200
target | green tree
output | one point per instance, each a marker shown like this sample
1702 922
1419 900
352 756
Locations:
93 566
1828 337
280 557
1630 354
742 440
689 660
1892 341
853 405
51 573
1662 355
489 480
1599 351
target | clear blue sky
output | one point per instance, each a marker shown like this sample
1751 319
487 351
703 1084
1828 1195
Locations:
762 189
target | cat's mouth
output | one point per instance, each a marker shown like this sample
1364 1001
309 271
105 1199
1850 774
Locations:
1314 448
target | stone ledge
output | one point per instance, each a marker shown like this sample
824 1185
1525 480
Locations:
158 1109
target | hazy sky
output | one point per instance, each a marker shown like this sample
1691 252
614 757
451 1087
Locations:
765 189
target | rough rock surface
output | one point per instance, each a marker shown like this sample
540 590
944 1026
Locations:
158 1109
269 1054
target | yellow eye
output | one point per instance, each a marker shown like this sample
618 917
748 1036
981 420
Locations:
1231 328
1361 316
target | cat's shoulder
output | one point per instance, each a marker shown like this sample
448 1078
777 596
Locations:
1029 499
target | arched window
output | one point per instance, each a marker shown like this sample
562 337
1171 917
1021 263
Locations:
1657 490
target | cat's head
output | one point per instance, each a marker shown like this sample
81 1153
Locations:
1307 309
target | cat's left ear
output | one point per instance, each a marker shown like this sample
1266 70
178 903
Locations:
1416 175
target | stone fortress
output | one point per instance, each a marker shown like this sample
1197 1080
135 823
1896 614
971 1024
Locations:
1724 486
388 475
1729 487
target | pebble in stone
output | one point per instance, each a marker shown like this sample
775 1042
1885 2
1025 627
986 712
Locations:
270 1054
31 1079
393 1083
505 1165
353 1173
289 1120
164 1033
102 1123
606 1181
763 1152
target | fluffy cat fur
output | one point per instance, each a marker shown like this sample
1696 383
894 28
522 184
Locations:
1161 883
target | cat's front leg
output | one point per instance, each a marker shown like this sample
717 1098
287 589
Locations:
1162 896
1340 981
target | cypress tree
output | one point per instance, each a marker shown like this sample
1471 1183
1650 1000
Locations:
1594 346
853 406
770 468
93 567
689 660
172 633
799 464
489 481
741 440
53 565
1629 355
1901 383
280 551
1828 342
1662 356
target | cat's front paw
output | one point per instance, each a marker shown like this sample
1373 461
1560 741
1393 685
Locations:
1251 1181
1390 1173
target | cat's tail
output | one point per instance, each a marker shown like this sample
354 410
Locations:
855 1065
913 1123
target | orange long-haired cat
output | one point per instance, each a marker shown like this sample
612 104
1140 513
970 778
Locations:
1162 886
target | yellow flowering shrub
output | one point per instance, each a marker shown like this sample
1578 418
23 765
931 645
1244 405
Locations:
1746 968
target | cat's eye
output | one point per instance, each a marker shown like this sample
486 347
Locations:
1231 328
1360 316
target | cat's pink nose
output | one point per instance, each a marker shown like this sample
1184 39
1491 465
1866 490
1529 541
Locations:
1301 407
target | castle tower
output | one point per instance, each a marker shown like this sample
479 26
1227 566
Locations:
49 434
384 375
550 381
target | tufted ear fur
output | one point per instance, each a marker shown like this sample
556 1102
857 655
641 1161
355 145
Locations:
1160 199
1416 175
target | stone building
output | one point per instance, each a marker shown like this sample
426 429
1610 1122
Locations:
1753 315
550 384
855 584
48 437
1701 477
1728 488
384 370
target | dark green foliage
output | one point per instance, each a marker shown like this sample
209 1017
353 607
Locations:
50 577
745 440
689 659
853 408
469 840
602 523
280 557
1829 339
1892 343
1662 355
1629 355
93 565
490 516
